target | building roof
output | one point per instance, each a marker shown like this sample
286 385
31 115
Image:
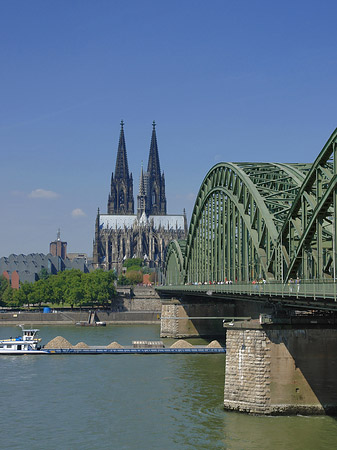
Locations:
128 221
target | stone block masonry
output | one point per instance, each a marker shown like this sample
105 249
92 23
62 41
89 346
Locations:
281 371
193 318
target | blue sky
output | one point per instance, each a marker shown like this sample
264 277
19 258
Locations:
224 80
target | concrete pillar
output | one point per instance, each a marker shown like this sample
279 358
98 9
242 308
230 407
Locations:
275 370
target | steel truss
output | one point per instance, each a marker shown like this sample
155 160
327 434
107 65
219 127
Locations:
261 220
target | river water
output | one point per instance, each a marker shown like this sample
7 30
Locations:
134 402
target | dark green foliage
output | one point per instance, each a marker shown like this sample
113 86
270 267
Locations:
123 281
4 283
69 287
136 263
135 276
43 274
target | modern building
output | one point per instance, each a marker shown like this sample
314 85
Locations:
20 268
121 233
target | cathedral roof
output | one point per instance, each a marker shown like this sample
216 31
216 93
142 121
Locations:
128 221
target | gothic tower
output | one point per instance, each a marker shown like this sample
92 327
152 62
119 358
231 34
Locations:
121 192
141 198
156 199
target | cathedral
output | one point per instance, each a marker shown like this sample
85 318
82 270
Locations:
122 234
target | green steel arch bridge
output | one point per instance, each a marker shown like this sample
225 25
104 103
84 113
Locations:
262 230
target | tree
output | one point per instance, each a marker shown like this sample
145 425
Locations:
133 262
74 289
43 274
23 294
41 292
99 287
4 283
8 296
135 276
123 281
57 284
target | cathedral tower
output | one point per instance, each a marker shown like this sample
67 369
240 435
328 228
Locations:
156 199
120 234
141 198
120 199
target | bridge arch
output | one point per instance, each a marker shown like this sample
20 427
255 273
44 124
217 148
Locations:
254 220
307 240
174 263
235 222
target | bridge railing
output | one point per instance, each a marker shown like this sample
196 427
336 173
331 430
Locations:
305 289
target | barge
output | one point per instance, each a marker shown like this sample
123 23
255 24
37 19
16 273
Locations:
26 344
30 344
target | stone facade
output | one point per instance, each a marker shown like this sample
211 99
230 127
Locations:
120 233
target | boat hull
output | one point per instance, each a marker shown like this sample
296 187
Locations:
23 352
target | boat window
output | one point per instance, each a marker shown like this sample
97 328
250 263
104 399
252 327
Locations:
19 347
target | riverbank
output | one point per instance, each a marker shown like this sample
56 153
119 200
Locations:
72 317
139 305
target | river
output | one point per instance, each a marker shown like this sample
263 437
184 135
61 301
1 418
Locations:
134 402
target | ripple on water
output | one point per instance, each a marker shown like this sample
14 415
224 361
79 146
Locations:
136 402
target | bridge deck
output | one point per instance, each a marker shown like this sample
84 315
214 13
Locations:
320 295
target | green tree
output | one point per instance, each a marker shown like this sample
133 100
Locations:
41 292
43 274
122 280
11 297
74 288
23 293
4 283
135 276
99 287
133 262
57 284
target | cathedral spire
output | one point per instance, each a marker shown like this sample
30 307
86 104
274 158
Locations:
141 198
122 168
120 200
141 182
153 166
156 200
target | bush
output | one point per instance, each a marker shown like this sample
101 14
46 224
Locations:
135 276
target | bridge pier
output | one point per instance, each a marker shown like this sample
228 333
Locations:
275 369
194 317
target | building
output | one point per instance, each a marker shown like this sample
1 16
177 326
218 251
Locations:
58 248
121 233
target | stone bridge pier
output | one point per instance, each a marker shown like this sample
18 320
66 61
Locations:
281 369
193 317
